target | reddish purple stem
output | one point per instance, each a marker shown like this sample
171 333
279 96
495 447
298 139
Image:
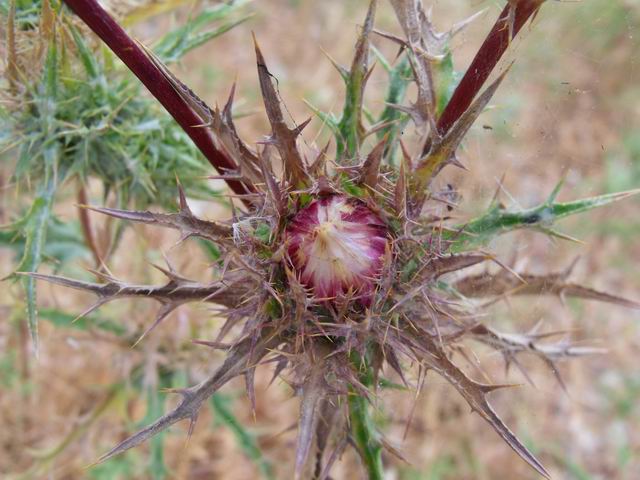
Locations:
103 25
485 61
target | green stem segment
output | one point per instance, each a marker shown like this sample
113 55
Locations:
511 20
365 435
363 428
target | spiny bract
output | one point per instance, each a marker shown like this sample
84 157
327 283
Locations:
335 270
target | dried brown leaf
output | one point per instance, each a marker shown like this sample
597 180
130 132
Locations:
228 293
238 359
184 221
282 136
370 170
476 396
442 150
313 392
504 284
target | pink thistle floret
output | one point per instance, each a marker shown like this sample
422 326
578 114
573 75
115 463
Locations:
337 246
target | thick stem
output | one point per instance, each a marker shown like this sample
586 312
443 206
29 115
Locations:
363 426
103 25
511 20
364 435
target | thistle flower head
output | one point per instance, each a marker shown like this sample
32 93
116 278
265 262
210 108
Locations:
337 246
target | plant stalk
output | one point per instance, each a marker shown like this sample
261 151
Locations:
511 20
365 436
363 428
133 56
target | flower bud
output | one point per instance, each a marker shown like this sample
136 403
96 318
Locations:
337 245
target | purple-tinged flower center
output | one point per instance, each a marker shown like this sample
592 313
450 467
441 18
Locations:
337 246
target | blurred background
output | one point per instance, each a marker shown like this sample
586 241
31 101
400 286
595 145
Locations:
569 108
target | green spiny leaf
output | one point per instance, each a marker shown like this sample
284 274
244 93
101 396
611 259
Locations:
50 72
350 127
155 408
35 233
561 210
327 118
174 45
446 80
499 220
65 320
396 120
86 56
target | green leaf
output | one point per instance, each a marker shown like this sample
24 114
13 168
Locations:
211 250
25 158
350 127
90 64
175 44
35 232
499 220
399 78
244 439
119 468
263 233
351 188
446 81
328 119
66 320
64 241
50 72
155 409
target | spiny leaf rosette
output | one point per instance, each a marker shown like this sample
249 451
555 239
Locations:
337 269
